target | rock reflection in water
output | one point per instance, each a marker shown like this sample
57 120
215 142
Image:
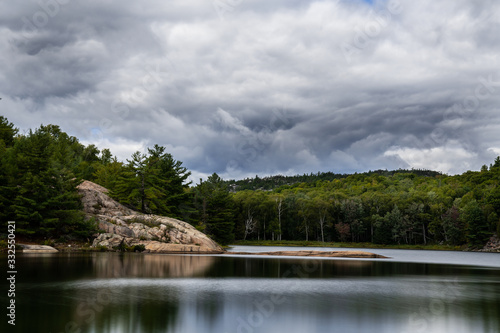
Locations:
152 266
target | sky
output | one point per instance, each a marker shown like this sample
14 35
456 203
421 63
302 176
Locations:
259 87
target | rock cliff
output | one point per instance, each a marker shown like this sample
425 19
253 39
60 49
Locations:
123 226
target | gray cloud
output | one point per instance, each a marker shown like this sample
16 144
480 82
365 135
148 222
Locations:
262 87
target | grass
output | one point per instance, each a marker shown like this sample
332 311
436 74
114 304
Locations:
350 245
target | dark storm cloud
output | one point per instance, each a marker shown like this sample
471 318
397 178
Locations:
244 88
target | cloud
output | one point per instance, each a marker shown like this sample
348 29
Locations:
262 87
451 158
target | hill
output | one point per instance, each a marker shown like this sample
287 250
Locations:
273 182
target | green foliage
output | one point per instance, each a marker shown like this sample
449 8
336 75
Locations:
279 181
476 224
347 245
139 248
216 209
453 226
107 174
402 207
383 230
49 242
150 221
101 248
123 247
152 183
39 185
7 132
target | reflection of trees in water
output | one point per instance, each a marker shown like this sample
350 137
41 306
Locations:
111 265
320 268
138 306
116 292
137 310
209 307
142 307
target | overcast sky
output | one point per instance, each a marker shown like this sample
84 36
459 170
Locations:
246 87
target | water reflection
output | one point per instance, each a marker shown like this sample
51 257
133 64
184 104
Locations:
151 266
174 293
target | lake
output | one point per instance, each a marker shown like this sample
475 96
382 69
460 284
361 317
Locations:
413 291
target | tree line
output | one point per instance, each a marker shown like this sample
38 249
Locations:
41 169
400 208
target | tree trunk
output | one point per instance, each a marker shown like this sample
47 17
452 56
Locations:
371 227
307 232
423 232
143 195
322 225
264 229
280 211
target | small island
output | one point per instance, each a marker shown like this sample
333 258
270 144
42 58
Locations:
323 254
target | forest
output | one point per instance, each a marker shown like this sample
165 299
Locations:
40 170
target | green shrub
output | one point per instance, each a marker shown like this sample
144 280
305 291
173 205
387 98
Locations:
101 248
151 222
49 242
62 239
122 247
139 248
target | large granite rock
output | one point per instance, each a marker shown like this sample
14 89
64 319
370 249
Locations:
96 201
29 248
158 234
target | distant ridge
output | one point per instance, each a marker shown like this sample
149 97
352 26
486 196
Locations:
276 181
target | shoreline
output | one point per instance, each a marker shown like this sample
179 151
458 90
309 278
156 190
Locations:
430 247
85 247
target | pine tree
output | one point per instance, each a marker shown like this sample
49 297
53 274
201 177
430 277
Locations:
45 201
172 182
137 186
7 132
152 183
216 209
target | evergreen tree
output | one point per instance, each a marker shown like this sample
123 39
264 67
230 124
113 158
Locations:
174 182
7 133
45 200
216 209
138 186
152 183
108 171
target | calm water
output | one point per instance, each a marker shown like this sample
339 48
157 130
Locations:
110 292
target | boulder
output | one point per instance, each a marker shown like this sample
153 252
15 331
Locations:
114 241
159 234
96 201
28 248
111 228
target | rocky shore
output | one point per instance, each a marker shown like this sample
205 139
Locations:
329 254
493 245
125 228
